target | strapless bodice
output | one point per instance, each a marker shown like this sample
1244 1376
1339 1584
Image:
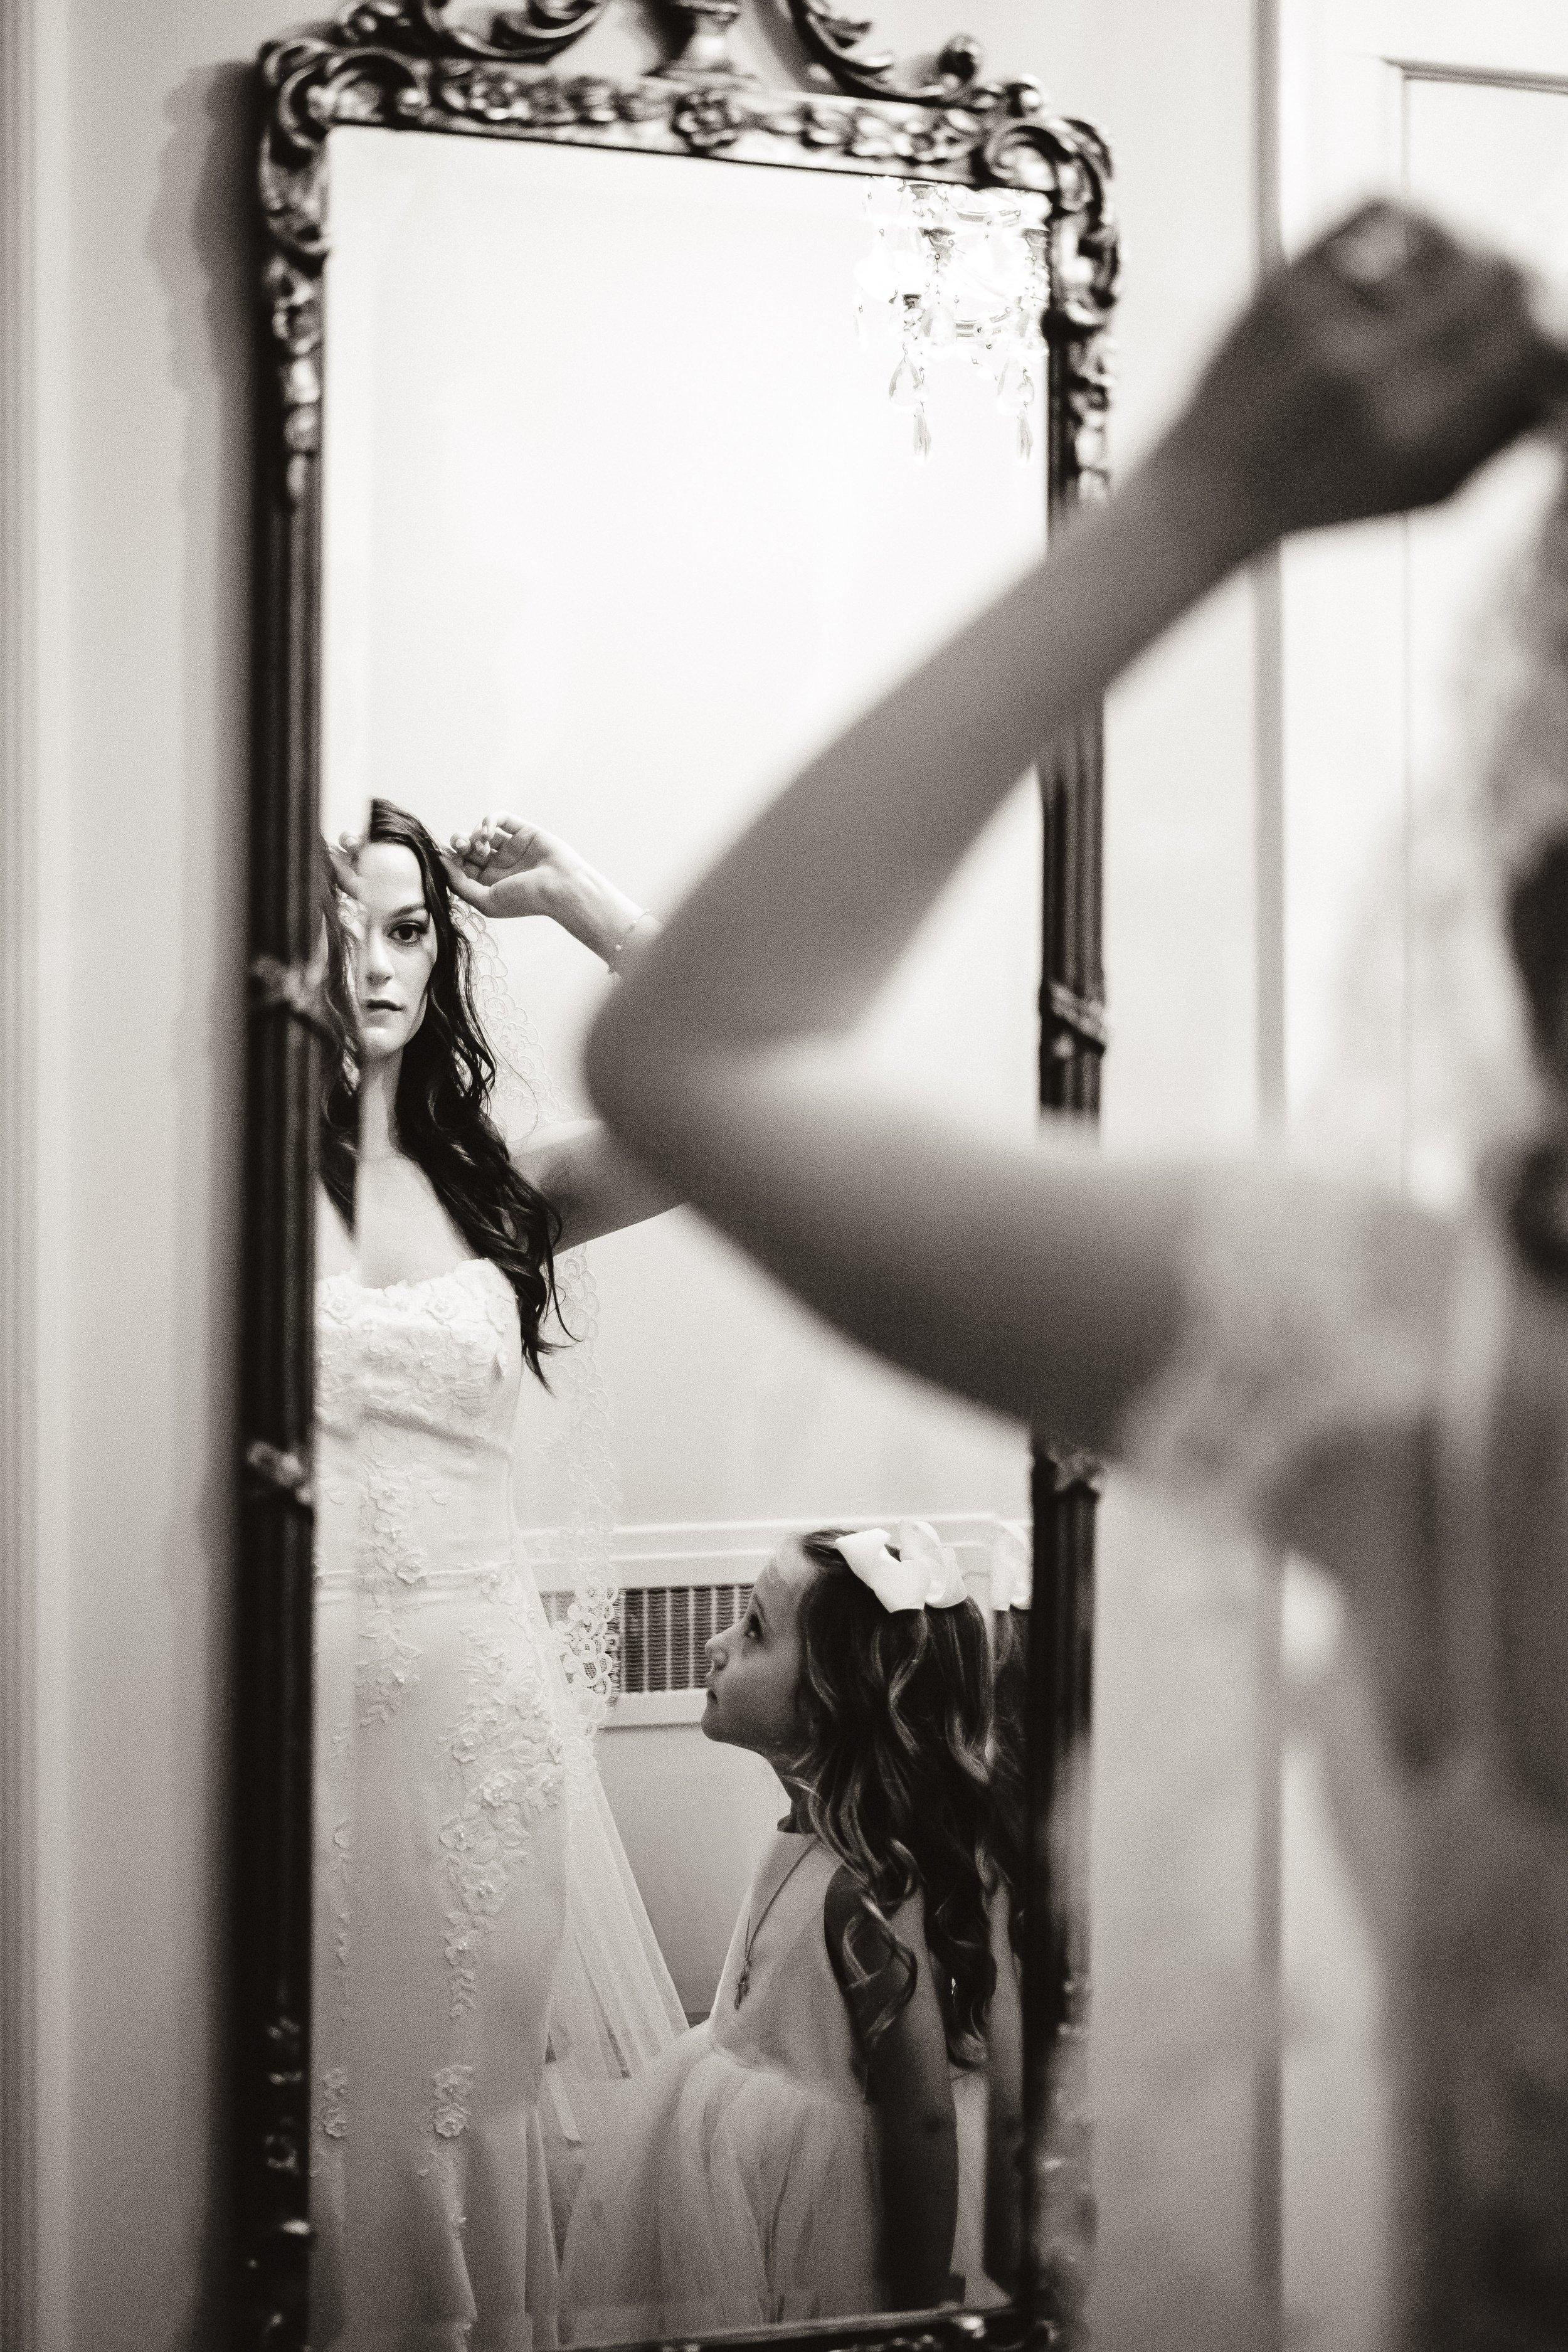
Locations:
443 1356
417 1388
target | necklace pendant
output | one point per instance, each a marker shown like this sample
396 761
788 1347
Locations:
742 1983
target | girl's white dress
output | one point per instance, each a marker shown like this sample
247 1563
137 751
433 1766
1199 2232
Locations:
482 1955
739 2185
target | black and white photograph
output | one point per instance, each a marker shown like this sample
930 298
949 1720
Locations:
783 1176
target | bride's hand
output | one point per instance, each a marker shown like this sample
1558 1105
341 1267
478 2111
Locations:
508 868
344 855
1372 374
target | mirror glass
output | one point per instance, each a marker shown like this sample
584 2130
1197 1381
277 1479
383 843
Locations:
620 522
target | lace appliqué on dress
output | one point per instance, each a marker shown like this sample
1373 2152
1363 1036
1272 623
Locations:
337 1357
334 2102
588 1636
1291 1335
339 1889
392 1563
465 1326
510 1758
451 2089
447 2121
331 2129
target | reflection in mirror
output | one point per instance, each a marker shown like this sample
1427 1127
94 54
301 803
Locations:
664 1837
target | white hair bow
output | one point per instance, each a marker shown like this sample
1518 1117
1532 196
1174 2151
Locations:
924 1575
1012 1568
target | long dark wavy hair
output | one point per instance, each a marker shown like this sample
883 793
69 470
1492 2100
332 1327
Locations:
1527 789
894 1769
1009 1763
441 1113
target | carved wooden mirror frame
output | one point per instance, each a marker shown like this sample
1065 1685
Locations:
400 64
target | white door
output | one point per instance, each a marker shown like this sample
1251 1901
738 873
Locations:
1462 105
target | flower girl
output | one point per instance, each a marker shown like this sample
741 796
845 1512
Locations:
815 2147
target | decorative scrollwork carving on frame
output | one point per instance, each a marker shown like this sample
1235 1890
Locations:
293 988
402 64
280 1472
837 43
288 2125
1067 162
541 29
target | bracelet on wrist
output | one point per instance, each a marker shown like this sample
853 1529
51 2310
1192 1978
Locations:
615 960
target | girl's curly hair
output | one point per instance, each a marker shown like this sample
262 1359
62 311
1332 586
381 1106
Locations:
442 1111
895 1718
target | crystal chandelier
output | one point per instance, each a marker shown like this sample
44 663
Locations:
955 275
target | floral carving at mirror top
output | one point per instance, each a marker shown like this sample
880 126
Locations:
409 65
401 64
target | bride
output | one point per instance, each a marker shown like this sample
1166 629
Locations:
1339 1373
484 1958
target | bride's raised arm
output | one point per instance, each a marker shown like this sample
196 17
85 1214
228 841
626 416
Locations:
508 869
1373 374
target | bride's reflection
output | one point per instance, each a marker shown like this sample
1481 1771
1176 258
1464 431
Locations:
478 1923
516 2140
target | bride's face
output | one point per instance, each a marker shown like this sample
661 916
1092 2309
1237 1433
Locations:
396 951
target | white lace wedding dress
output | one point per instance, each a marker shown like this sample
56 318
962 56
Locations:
1312 1387
484 1958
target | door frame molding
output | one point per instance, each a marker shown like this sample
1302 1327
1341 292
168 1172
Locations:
34 1111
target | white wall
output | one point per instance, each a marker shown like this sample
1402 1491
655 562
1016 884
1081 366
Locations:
142 170
144 552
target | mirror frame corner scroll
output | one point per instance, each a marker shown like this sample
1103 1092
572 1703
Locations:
402 64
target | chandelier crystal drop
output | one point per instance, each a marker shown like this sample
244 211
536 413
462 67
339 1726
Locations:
954 276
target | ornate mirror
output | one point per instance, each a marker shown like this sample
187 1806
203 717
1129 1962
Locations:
600 485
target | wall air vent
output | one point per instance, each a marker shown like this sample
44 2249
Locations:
662 1630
